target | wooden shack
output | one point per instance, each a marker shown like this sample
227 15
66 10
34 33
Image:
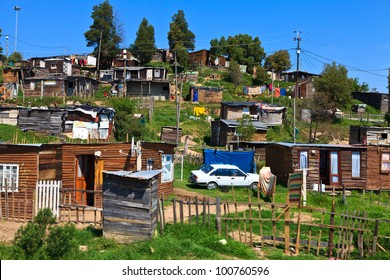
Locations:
130 205
332 165
378 173
49 120
206 94
21 166
169 134
224 132
369 135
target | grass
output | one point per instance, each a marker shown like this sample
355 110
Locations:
179 242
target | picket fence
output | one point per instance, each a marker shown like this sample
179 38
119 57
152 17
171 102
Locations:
48 196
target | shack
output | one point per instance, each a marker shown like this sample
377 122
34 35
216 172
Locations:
206 94
333 165
130 202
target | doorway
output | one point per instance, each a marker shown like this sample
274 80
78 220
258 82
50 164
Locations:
85 179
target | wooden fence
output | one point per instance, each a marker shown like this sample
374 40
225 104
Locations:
17 205
23 204
48 196
73 211
314 230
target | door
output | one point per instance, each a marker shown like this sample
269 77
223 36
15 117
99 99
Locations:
238 178
334 169
85 180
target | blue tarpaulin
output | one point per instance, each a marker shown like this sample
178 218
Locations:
245 160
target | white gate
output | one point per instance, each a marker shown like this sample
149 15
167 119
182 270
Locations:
48 196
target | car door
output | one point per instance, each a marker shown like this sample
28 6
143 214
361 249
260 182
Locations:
238 178
222 177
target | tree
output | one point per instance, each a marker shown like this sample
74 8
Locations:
105 33
180 38
245 129
242 48
15 57
279 61
235 74
144 44
179 32
334 87
182 55
364 87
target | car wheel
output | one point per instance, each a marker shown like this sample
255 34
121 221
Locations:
253 186
211 185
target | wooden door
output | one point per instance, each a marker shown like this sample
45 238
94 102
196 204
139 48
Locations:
85 180
334 174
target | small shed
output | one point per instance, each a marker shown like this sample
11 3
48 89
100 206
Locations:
130 205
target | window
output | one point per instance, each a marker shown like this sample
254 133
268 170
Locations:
149 164
385 162
9 177
303 160
53 66
236 173
167 168
355 164
157 73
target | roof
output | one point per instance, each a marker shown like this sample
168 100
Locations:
234 123
314 145
142 175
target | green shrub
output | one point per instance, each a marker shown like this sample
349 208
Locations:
29 241
60 242
44 218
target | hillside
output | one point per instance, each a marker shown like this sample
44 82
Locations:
198 128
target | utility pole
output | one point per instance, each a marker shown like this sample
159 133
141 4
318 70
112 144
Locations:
298 39
272 87
17 9
124 73
177 105
98 61
6 47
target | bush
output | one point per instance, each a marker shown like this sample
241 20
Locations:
44 218
28 241
60 242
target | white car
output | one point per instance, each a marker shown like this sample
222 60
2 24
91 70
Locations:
215 175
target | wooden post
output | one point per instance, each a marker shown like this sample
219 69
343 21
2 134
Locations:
196 210
174 211
218 214
189 211
204 210
331 230
162 207
297 244
375 236
181 211
287 229
1 210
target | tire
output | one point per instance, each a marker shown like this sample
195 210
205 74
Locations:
212 185
254 186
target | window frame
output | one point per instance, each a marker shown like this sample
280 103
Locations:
14 174
359 167
385 161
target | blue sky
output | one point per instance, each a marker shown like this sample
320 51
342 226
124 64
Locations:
354 33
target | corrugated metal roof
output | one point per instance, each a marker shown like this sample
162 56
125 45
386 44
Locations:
235 123
314 145
142 175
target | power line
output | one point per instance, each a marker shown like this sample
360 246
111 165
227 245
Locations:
347 66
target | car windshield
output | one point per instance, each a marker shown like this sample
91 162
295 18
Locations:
206 168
